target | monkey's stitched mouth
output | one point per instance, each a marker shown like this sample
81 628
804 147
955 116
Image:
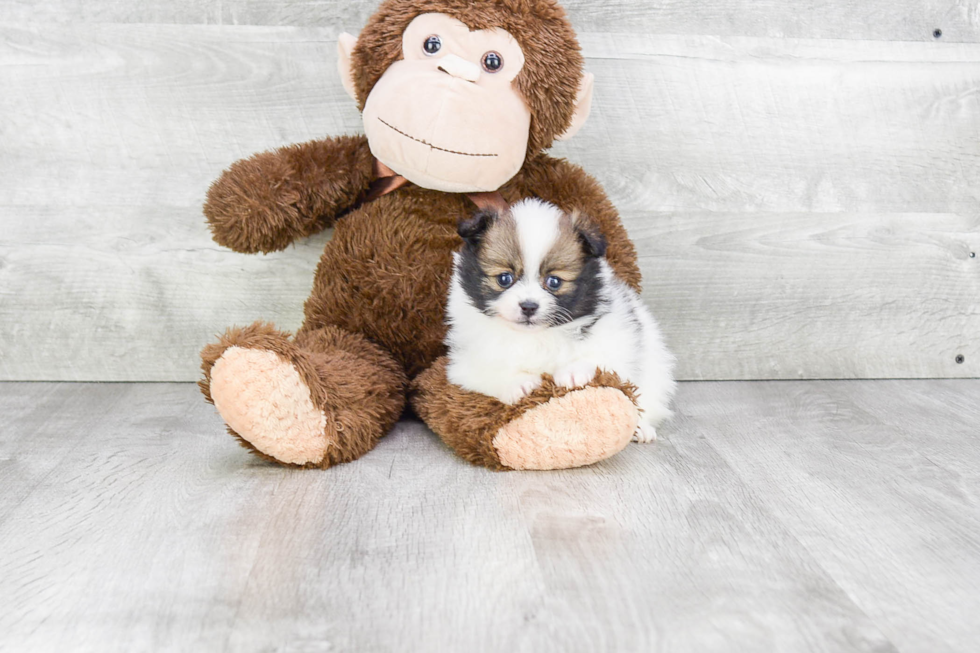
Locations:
434 147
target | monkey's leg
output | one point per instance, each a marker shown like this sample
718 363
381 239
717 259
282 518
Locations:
552 428
323 398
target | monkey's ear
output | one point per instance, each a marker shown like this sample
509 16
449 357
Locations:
345 45
583 106
472 229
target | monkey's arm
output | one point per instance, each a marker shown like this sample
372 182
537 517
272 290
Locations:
265 202
568 186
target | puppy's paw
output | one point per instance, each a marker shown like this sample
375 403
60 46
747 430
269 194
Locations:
522 387
575 375
645 433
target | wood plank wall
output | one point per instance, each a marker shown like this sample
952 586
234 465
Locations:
802 182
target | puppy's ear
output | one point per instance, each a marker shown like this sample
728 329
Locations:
593 242
472 229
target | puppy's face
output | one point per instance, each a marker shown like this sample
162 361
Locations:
534 266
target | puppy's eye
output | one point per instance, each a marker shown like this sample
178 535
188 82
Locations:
552 283
432 44
505 280
492 62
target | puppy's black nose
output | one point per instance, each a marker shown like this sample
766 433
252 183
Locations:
528 307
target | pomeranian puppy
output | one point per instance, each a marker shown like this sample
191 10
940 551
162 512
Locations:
533 294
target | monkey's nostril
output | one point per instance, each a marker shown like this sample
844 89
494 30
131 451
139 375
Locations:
528 307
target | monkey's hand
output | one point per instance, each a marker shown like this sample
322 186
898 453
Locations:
267 201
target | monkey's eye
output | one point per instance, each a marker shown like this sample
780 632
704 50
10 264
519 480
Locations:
432 44
505 280
552 283
492 62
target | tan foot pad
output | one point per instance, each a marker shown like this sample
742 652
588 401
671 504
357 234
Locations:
263 398
581 428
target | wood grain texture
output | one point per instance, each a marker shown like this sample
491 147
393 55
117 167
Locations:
814 295
738 295
759 125
878 481
110 301
159 533
901 20
148 116
59 418
804 208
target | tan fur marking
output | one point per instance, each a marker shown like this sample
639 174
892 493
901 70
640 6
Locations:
566 258
501 250
564 275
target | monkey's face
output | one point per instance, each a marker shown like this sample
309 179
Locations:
447 115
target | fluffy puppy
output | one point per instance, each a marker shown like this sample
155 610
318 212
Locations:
532 294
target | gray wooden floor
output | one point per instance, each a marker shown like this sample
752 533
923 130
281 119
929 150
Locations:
772 516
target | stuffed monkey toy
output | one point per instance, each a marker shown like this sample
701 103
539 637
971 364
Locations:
459 99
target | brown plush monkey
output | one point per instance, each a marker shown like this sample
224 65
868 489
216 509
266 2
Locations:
458 97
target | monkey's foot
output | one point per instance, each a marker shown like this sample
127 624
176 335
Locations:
553 427
581 428
324 398
262 398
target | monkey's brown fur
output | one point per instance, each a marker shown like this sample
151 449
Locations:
375 317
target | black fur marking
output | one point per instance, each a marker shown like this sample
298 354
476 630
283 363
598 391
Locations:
585 299
472 229
586 329
633 319
593 242
472 278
